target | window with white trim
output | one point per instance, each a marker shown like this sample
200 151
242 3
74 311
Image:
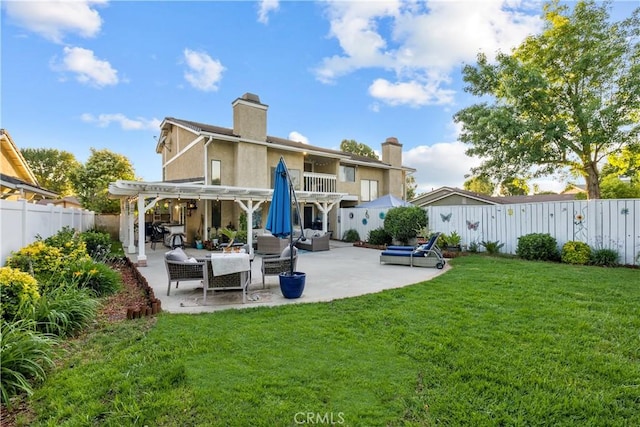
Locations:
216 172
368 190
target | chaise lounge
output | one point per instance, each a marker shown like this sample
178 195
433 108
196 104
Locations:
427 255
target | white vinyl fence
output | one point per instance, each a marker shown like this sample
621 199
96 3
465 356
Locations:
611 224
21 221
362 220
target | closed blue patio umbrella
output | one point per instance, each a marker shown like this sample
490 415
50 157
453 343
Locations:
279 218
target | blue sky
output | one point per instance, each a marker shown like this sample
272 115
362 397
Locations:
104 74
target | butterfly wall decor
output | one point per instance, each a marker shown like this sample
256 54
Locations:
472 225
446 218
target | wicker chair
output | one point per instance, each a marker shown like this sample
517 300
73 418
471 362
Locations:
233 281
178 271
273 265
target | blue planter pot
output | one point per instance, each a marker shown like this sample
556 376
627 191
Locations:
292 286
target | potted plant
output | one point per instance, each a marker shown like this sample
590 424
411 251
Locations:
453 241
197 238
231 235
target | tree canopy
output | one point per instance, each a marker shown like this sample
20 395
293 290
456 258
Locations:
91 181
410 182
564 100
52 168
480 184
355 147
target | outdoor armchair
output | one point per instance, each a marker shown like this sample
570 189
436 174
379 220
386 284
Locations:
182 268
273 265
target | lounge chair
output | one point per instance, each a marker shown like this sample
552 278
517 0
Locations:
427 255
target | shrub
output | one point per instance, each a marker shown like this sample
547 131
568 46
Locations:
576 253
537 246
25 355
18 292
604 257
64 311
98 244
38 259
351 235
70 244
473 247
379 237
403 223
95 276
492 247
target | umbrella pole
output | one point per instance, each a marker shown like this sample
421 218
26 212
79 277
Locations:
292 191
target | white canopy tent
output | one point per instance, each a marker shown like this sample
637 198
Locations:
147 194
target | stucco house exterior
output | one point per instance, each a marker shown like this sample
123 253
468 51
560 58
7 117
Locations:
212 175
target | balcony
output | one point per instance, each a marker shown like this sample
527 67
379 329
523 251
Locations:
319 182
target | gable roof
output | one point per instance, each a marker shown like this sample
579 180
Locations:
16 160
444 192
17 178
282 143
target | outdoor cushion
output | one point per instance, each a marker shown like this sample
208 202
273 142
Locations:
401 253
176 255
286 252
401 248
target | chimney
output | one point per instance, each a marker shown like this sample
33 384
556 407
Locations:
392 152
250 117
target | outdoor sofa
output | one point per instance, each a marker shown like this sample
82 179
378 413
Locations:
315 240
270 244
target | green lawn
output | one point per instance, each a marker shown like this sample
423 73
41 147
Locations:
495 341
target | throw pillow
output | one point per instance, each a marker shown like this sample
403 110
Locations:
286 252
176 255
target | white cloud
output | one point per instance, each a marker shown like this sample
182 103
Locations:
412 93
88 69
104 120
52 19
204 73
267 6
297 136
441 164
421 43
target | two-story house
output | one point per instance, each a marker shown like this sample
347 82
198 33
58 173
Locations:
212 174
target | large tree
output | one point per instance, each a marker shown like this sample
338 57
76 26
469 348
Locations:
91 180
52 168
479 184
355 147
563 100
411 185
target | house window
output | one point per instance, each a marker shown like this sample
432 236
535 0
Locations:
347 173
368 190
216 172
295 177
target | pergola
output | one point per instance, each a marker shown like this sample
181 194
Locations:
147 194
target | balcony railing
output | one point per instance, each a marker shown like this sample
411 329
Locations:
319 182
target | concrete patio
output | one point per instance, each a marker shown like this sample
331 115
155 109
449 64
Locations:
342 272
